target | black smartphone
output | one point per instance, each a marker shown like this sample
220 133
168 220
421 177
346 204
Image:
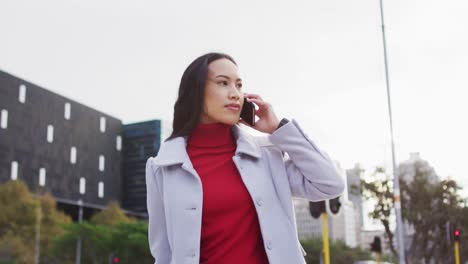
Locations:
248 112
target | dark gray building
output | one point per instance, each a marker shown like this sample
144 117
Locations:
74 152
139 144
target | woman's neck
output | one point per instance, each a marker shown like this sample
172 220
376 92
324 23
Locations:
210 135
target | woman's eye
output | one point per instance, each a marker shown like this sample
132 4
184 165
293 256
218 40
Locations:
239 85
223 83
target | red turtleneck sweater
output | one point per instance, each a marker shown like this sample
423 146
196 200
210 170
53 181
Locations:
230 232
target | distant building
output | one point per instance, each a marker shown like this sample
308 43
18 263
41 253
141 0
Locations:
139 144
166 129
307 226
408 169
78 154
353 177
340 227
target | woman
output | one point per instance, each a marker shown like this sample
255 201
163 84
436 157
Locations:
216 194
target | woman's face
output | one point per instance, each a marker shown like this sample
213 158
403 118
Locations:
223 94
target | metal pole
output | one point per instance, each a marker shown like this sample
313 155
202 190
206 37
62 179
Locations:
396 183
449 232
326 246
37 253
457 253
78 243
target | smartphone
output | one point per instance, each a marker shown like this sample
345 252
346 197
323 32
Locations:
248 112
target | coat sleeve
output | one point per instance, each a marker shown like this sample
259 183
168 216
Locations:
157 231
310 171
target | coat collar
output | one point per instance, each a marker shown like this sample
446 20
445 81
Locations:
174 150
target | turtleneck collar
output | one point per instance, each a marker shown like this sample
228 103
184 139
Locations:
211 135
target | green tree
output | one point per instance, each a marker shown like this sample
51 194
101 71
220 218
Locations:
427 206
109 232
20 211
17 221
130 242
52 222
463 225
380 190
95 241
110 215
127 240
340 253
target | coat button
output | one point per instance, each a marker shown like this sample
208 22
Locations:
259 201
269 245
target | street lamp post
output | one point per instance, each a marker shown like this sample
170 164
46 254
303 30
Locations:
78 242
37 242
396 183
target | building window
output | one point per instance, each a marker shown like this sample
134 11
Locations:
4 119
73 155
14 170
101 190
102 124
82 185
22 93
67 111
50 133
42 176
118 143
101 162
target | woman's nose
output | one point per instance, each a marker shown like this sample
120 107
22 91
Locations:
234 94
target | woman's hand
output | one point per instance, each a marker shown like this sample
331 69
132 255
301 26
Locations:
268 122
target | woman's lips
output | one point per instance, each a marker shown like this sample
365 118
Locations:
233 107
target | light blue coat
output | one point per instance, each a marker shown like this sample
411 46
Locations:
175 195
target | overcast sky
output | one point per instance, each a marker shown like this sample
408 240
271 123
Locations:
320 62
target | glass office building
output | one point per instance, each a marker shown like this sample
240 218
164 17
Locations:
141 140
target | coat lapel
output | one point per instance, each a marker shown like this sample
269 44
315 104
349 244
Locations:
174 151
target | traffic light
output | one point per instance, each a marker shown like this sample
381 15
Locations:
113 259
317 208
334 206
376 245
456 235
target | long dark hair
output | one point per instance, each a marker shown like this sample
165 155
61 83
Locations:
189 104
